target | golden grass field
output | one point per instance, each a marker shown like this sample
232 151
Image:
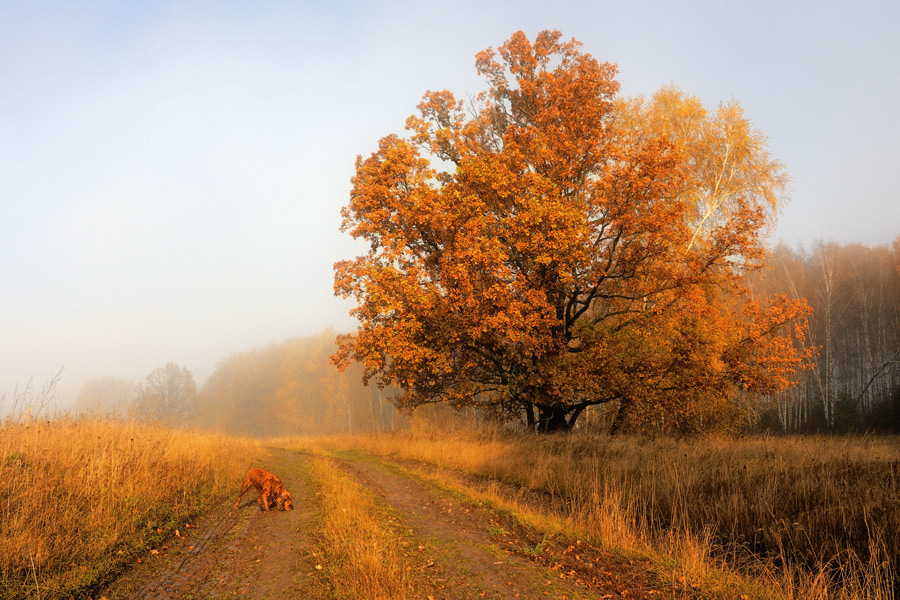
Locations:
81 498
797 517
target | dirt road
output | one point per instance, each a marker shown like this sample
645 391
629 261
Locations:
245 553
457 550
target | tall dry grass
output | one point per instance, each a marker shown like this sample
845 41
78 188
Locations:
361 549
815 517
79 498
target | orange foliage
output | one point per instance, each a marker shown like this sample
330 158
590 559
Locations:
550 247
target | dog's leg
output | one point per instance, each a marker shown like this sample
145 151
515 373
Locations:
244 488
263 498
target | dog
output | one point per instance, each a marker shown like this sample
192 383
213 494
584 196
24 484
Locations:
271 490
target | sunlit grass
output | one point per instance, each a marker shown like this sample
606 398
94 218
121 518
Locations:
361 551
80 498
803 517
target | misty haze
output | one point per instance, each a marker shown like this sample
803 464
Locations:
401 301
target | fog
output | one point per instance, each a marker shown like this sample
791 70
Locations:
172 176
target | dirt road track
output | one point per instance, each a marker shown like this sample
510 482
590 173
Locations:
245 553
475 553
457 551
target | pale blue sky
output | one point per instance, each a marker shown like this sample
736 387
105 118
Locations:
171 174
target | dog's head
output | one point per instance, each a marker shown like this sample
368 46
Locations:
284 501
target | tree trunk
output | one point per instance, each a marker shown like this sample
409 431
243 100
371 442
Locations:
530 421
574 416
620 416
552 418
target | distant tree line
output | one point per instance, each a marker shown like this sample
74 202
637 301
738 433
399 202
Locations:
852 385
289 388
854 382
167 396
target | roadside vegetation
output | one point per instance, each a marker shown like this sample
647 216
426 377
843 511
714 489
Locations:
360 546
776 517
795 517
81 498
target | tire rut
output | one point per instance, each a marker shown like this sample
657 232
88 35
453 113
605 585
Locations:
462 552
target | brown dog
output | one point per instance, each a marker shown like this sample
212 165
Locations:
270 490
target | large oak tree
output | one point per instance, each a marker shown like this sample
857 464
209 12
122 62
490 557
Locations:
546 246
